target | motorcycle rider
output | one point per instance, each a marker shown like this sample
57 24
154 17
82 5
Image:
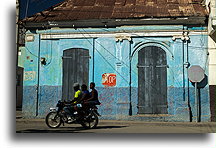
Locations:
78 93
77 96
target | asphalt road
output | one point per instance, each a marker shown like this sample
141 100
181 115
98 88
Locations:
113 126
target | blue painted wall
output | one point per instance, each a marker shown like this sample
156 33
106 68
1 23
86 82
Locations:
43 83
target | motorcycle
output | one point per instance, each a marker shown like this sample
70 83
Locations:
87 116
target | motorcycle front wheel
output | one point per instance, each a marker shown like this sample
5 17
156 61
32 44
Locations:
91 121
53 120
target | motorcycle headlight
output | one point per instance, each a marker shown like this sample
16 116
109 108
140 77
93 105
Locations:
79 105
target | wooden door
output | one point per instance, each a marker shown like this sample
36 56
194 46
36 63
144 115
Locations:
152 81
75 69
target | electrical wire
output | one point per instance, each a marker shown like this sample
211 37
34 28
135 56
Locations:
27 7
117 57
30 52
51 53
129 55
105 59
201 47
151 85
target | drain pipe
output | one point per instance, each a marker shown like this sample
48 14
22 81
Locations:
38 80
183 61
93 60
187 66
130 91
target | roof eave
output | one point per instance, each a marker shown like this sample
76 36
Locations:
104 23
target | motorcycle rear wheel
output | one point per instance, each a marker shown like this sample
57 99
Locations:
53 120
91 121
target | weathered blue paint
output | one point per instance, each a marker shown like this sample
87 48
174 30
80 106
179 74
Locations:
29 101
49 96
43 83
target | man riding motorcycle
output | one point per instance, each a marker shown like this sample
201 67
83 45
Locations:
88 99
77 97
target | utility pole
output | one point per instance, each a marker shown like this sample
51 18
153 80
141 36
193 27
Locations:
17 47
17 31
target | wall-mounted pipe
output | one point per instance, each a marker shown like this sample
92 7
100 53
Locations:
93 60
183 61
38 80
187 63
130 87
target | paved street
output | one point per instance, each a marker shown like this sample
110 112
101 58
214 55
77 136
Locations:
113 126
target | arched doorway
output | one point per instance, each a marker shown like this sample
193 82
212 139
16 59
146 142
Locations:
152 80
75 69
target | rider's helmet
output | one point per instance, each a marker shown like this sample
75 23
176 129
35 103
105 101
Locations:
76 86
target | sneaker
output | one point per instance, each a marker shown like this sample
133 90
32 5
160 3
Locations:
70 119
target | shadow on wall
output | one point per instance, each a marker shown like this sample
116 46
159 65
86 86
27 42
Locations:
200 86
203 83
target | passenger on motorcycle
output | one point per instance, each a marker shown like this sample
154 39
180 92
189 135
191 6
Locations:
85 93
93 100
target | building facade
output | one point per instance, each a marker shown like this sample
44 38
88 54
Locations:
211 5
139 64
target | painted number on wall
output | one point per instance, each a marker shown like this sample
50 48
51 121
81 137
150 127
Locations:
29 75
109 79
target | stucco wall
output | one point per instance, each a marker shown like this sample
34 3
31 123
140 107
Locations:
43 83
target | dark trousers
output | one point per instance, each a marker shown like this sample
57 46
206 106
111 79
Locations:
68 110
92 103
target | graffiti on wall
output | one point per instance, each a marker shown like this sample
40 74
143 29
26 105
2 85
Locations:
109 79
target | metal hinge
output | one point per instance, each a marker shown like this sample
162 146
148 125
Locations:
65 57
167 66
140 66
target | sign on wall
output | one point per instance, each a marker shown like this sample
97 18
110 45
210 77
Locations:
109 79
29 75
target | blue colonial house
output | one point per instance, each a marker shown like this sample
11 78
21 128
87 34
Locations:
136 51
